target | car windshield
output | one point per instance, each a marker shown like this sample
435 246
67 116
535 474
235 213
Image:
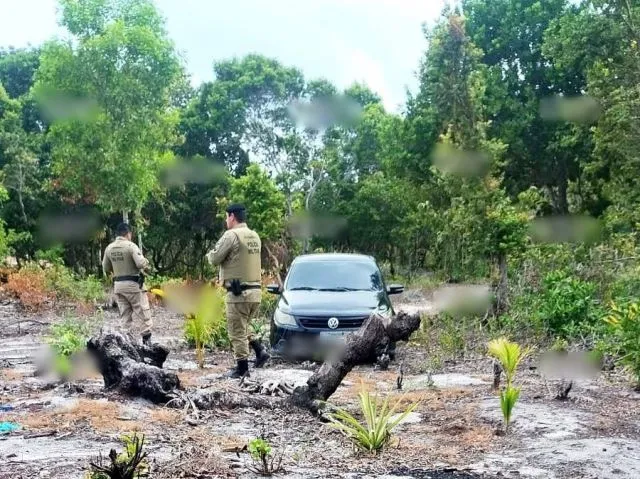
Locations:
334 276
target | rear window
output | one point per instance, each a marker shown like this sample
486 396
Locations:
335 275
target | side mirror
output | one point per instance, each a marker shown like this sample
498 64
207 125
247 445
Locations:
273 289
395 289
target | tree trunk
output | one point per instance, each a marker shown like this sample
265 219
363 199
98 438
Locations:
276 264
362 347
502 290
99 268
125 216
133 369
137 370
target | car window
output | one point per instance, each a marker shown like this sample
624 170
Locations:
334 275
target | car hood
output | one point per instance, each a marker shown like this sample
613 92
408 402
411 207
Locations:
333 303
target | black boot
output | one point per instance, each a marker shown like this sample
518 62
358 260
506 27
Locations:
262 356
146 339
241 369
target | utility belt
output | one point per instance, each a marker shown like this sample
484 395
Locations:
236 288
138 278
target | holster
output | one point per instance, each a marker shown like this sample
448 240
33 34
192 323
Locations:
235 287
141 280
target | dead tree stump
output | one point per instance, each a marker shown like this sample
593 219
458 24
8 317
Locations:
133 369
360 347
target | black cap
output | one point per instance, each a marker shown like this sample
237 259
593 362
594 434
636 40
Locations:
123 229
235 208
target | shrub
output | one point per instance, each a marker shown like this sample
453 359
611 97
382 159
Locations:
268 304
375 433
568 304
36 287
28 285
626 287
624 321
66 339
67 286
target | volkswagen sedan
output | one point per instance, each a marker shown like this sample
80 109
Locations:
325 297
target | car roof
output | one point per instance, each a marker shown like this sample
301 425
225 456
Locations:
334 257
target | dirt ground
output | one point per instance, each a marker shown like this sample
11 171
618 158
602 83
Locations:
452 433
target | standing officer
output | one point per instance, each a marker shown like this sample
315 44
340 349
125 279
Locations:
124 259
238 254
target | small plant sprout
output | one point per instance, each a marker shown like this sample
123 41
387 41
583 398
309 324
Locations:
510 355
380 420
130 464
264 463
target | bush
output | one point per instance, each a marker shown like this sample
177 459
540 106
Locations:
159 281
66 339
268 305
568 306
68 287
624 322
36 287
29 286
626 287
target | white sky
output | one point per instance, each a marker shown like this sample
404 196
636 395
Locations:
378 42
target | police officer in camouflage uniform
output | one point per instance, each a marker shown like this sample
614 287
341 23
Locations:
237 253
124 259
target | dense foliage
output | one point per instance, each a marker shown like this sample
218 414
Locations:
525 111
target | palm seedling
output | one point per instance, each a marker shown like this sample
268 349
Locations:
379 420
204 323
510 355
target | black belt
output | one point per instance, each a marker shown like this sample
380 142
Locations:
244 287
127 278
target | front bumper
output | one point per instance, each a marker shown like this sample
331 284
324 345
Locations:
304 344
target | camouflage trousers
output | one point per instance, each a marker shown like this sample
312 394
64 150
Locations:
135 312
239 315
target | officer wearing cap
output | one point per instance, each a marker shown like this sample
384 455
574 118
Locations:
124 259
237 253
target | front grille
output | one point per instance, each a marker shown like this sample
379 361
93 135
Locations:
321 322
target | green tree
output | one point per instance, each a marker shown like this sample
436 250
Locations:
17 69
108 95
264 202
520 78
601 39
379 215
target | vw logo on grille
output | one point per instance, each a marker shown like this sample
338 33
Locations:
333 323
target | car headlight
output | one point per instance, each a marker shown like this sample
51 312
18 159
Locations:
283 319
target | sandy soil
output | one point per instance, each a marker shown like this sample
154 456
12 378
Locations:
452 434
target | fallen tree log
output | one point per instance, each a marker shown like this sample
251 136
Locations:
361 346
133 369
136 370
